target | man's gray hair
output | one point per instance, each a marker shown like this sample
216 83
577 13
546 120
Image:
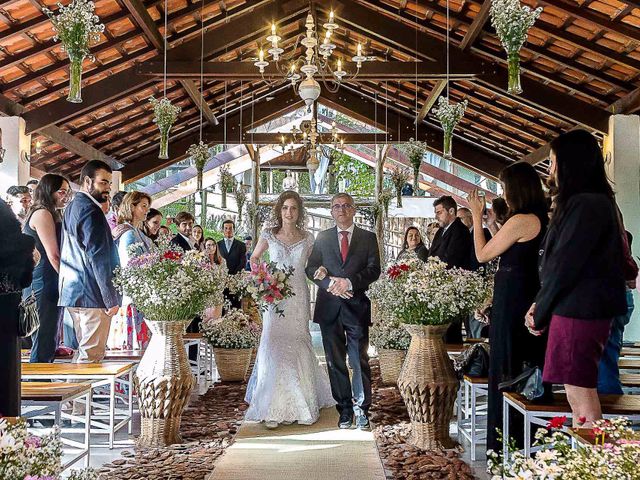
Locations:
342 195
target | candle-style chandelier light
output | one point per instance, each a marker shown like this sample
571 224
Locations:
315 61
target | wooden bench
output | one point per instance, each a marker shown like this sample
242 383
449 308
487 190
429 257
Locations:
42 400
98 375
629 363
539 413
472 411
203 366
630 352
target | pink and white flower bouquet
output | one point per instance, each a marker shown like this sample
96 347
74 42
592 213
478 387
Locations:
266 283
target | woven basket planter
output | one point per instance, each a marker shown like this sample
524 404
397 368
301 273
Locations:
428 386
232 363
390 364
163 381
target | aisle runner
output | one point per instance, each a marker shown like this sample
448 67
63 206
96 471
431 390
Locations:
300 452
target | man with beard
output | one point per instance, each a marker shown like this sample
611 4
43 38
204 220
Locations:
87 261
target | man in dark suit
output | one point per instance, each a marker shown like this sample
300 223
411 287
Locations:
452 245
87 260
184 222
235 253
343 263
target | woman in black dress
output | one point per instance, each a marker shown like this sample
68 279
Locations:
16 268
515 286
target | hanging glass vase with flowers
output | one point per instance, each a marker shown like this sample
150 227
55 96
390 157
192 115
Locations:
399 177
165 115
512 21
76 26
415 151
227 183
199 152
449 115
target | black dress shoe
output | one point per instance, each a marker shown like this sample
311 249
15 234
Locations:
346 420
362 422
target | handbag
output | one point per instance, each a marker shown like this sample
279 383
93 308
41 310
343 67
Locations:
473 362
28 319
528 383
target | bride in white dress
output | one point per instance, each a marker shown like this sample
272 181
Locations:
288 384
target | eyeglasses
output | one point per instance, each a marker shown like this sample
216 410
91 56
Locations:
64 192
341 206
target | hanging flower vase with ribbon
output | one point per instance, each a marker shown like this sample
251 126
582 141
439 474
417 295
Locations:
165 115
76 26
199 152
449 115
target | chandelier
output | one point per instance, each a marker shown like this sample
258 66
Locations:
315 61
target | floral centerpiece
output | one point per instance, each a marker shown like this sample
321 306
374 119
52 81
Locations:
233 338
227 183
170 287
426 298
399 177
614 455
449 115
76 26
29 457
199 152
165 115
415 151
512 21
266 284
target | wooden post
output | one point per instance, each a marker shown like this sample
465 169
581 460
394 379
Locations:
254 153
381 153
203 208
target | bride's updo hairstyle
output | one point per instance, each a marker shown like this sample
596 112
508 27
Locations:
276 214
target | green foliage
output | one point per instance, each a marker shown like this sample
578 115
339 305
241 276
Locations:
360 179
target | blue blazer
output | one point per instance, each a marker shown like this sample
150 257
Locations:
88 257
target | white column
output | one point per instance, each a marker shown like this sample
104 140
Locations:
14 170
116 182
622 148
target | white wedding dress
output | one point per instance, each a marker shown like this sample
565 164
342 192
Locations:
288 384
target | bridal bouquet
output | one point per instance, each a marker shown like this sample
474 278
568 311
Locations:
28 457
615 455
267 284
428 293
234 330
168 284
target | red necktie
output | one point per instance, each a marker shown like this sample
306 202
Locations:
344 245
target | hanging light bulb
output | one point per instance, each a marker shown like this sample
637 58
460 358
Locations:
38 146
359 58
261 63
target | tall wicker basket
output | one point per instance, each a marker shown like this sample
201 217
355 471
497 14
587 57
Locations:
232 363
164 382
390 364
428 386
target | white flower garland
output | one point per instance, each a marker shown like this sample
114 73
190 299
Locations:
76 26
512 21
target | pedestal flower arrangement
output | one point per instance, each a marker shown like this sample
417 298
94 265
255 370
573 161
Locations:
165 115
426 298
233 338
415 151
29 457
227 183
76 27
199 152
449 115
512 21
170 287
399 177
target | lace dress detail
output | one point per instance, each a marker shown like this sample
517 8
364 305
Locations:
288 384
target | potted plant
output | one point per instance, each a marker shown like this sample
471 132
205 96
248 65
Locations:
164 115
233 338
170 287
425 298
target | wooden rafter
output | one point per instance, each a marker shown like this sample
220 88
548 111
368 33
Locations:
477 25
431 99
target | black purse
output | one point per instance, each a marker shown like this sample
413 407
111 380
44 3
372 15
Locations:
528 383
28 318
473 361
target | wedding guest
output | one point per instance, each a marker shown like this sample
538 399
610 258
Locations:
128 330
44 224
515 285
248 243
87 261
112 212
164 231
184 222
432 229
213 253
17 259
31 185
235 254
151 226
581 272
19 199
466 217
413 244
451 244
608 370
197 234
497 214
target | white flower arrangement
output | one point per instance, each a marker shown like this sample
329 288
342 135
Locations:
449 114
427 293
616 459
29 457
389 335
200 154
167 284
165 113
512 21
399 177
227 180
76 26
234 330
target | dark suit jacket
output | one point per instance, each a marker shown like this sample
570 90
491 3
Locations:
180 241
236 257
453 246
581 263
362 267
88 257
473 260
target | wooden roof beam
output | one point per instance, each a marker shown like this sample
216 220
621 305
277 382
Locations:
434 94
477 25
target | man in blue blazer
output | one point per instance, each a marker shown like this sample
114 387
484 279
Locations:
87 261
